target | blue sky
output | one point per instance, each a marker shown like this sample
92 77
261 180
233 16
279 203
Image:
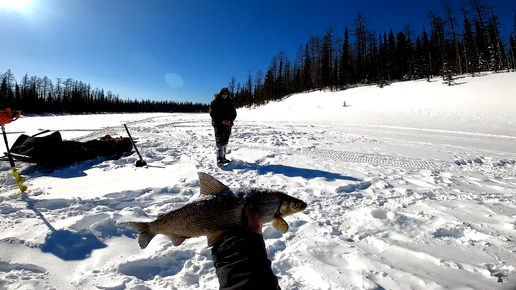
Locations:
184 50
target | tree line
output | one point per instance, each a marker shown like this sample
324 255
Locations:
464 41
40 95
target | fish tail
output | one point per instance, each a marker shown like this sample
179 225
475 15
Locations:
145 234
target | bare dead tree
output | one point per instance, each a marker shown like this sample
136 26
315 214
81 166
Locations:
438 27
361 32
453 22
480 11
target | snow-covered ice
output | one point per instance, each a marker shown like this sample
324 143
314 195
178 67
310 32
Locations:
412 186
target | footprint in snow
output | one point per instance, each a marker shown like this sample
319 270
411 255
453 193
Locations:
148 269
349 188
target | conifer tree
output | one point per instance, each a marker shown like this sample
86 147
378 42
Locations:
496 63
232 85
438 32
335 74
409 51
482 49
268 87
3 94
391 47
480 11
427 56
298 70
382 57
513 45
326 59
496 43
400 57
361 32
307 70
512 53
344 61
314 50
470 50
258 84
372 65
249 91
418 59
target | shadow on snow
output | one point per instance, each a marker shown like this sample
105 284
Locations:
287 171
65 244
69 171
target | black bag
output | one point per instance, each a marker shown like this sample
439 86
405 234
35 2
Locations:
52 151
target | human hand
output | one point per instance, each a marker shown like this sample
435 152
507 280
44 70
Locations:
226 122
253 220
240 259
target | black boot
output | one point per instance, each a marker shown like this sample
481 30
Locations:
220 161
224 148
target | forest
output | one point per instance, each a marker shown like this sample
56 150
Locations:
457 42
36 95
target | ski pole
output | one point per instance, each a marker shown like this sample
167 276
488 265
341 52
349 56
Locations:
139 163
18 178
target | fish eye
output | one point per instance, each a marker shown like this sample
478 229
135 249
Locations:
298 205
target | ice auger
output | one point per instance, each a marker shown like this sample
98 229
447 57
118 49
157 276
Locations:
7 116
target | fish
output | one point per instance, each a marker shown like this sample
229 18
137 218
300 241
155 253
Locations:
220 209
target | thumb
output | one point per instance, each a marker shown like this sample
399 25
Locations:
253 219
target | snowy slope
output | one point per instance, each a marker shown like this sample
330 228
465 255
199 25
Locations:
484 104
412 186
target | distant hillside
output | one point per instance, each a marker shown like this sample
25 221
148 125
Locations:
484 104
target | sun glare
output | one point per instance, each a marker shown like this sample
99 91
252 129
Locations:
20 5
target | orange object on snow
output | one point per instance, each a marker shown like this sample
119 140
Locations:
7 116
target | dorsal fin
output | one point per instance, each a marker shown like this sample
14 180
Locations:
209 184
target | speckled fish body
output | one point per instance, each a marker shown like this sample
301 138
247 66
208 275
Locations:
221 209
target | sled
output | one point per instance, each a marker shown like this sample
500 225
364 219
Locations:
48 149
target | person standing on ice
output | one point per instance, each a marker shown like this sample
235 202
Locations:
223 113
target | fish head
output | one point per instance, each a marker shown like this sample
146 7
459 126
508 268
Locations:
291 205
272 206
271 203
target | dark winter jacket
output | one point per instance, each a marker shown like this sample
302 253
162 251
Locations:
241 263
222 109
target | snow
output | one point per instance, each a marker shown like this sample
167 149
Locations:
412 186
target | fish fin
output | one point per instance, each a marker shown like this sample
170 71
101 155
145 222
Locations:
280 224
209 184
145 234
215 237
145 239
176 241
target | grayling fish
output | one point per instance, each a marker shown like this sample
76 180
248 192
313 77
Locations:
220 210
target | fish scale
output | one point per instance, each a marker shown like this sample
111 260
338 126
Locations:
217 214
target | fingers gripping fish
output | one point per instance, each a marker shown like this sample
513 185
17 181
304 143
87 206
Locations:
220 210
